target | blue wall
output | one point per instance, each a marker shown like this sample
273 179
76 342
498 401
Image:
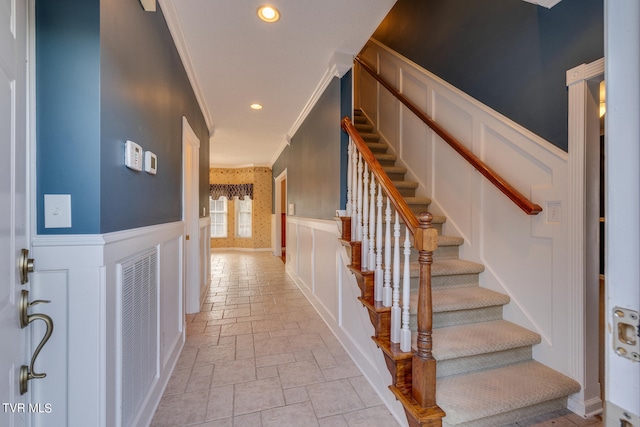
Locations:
68 109
107 73
313 172
508 54
346 109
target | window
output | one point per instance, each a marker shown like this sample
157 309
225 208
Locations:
218 211
243 217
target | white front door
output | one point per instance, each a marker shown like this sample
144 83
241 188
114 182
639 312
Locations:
14 215
622 232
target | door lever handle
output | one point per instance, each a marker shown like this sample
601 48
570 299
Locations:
27 372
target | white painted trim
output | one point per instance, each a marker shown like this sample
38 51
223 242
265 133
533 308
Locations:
545 3
190 207
241 249
88 266
173 22
577 136
337 68
277 244
622 168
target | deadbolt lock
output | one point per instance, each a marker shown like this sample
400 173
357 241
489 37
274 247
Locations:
26 265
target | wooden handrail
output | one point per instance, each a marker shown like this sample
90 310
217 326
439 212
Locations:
390 190
523 203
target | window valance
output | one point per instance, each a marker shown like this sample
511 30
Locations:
230 191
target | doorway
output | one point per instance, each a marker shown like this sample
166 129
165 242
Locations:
190 216
594 225
280 210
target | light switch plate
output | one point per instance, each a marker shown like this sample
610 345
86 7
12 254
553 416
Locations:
57 211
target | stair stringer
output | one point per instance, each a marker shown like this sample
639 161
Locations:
549 312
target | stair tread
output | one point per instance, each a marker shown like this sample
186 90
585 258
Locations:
370 135
450 241
385 157
491 392
467 298
446 267
417 200
377 146
394 169
479 338
405 184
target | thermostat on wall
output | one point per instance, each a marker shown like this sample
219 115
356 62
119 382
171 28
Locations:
150 162
133 156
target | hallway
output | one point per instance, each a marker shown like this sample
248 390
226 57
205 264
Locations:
258 354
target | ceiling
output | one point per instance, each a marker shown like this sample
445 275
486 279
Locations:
233 60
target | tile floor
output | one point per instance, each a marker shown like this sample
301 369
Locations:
258 355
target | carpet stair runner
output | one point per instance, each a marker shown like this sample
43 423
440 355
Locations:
486 376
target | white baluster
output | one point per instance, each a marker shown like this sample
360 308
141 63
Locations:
387 250
405 336
349 183
365 220
359 197
372 226
379 279
354 191
396 261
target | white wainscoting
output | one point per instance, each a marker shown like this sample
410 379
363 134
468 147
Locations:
317 263
205 256
78 273
525 256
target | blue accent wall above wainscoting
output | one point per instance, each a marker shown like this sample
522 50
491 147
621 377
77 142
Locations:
313 174
508 54
108 72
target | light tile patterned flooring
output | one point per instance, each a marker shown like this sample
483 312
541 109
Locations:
258 355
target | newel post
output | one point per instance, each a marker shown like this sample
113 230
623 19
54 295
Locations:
423 364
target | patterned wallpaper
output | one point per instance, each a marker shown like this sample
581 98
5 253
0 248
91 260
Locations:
260 177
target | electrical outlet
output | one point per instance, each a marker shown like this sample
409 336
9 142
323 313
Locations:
554 212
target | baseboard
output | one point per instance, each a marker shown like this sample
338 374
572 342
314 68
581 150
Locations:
241 249
153 399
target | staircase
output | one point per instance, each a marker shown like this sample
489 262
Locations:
485 374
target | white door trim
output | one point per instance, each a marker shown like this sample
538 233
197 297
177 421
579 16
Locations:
278 212
190 216
587 402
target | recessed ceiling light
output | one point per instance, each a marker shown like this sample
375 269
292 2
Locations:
268 13
256 106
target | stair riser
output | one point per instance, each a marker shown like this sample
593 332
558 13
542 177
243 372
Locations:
453 281
407 192
364 127
377 147
370 137
461 317
513 416
386 162
396 176
418 209
465 317
480 362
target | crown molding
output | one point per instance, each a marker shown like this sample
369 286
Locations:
545 3
171 17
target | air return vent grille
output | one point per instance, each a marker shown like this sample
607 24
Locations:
139 331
